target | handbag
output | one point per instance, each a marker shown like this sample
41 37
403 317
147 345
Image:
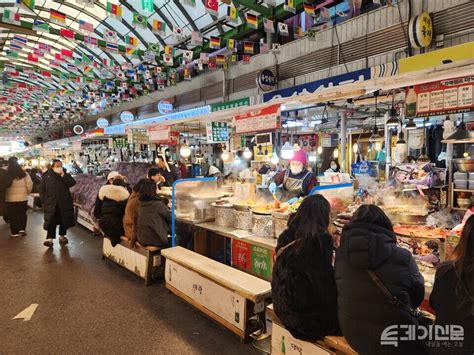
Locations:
424 318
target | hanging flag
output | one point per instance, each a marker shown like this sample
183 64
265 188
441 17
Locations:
212 64
88 3
22 41
231 45
29 4
67 53
188 55
40 26
12 54
290 6
325 15
58 57
220 59
169 51
66 33
86 58
115 10
71 67
252 20
139 20
133 52
268 26
57 16
9 68
113 47
154 47
85 26
264 47
147 5
232 14
246 59
178 33
108 62
54 63
131 41
91 41
248 47
11 17
308 8
196 38
283 29
168 60
212 7
191 3
187 74
298 31
214 42
110 36
159 28
276 47
16 47
45 73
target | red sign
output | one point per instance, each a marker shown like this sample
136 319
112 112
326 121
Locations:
241 255
445 97
94 133
264 120
162 135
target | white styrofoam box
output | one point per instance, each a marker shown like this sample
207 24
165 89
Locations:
128 258
219 300
85 220
284 343
461 176
460 184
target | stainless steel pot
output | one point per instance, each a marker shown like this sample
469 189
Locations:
465 165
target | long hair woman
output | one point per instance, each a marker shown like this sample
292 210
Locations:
452 297
20 186
303 287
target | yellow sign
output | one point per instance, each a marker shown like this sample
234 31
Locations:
420 30
435 58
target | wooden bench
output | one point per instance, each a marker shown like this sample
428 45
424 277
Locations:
284 343
142 261
229 296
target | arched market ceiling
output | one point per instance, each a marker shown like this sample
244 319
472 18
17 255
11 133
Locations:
55 76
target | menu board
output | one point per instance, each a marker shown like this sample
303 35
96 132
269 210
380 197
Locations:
264 120
120 143
217 132
137 136
159 134
445 97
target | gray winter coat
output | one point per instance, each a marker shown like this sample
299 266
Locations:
154 219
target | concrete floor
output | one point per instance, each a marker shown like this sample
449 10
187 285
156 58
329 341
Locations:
90 305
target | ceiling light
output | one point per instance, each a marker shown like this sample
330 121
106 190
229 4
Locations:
335 153
185 150
355 148
410 124
401 138
287 151
225 155
320 150
275 160
393 121
247 154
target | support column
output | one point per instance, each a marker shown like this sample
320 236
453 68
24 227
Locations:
343 136
388 147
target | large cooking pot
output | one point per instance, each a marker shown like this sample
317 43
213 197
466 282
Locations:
465 165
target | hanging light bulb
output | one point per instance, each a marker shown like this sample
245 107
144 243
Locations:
247 154
335 154
185 150
274 160
320 150
355 148
393 120
401 138
378 146
410 124
237 160
287 151
225 155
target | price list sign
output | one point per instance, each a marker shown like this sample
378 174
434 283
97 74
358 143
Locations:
445 96
137 136
120 143
264 120
217 132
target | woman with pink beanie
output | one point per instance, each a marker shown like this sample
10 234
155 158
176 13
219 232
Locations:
297 180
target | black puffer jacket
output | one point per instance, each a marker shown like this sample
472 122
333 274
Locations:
154 219
304 291
114 200
364 311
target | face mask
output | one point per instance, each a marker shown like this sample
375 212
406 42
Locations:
333 166
296 169
58 170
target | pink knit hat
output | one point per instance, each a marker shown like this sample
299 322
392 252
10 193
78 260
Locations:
299 156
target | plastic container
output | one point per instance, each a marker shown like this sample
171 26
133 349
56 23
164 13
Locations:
471 184
243 220
460 184
462 176
471 176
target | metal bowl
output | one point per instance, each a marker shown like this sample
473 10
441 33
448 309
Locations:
465 165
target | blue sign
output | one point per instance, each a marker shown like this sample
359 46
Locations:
165 107
127 116
266 80
315 86
198 111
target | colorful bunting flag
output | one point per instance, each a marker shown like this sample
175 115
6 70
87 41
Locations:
232 14
40 26
110 46
191 3
11 17
211 7
264 47
88 3
12 54
85 26
248 47
252 20
29 4
58 57
139 20
66 33
196 38
91 41
131 41
168 60
188 55
67 53
44 47
308 8
246 59
133 52
169 51
159 28
187 74
110 36
22 41
268 26
290 6
214 42
15 47
147 6
325 13
283 29
231 45
178 33
220 59
115 10
276 47
212 64
154 47
57 16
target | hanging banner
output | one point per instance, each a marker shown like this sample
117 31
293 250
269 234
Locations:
217 132
162 135
264 120
94 133
445 97
230 104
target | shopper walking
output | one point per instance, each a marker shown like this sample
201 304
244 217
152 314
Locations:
452 297
304 291
57 202
16 197
114 200
4 183
368 249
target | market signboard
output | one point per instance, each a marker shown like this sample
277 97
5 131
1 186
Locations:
217 132
162 135
230 104
264 120
445 97
120 143
137 136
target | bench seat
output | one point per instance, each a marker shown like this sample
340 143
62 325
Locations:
227 295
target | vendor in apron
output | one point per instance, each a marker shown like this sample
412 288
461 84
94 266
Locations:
296 180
